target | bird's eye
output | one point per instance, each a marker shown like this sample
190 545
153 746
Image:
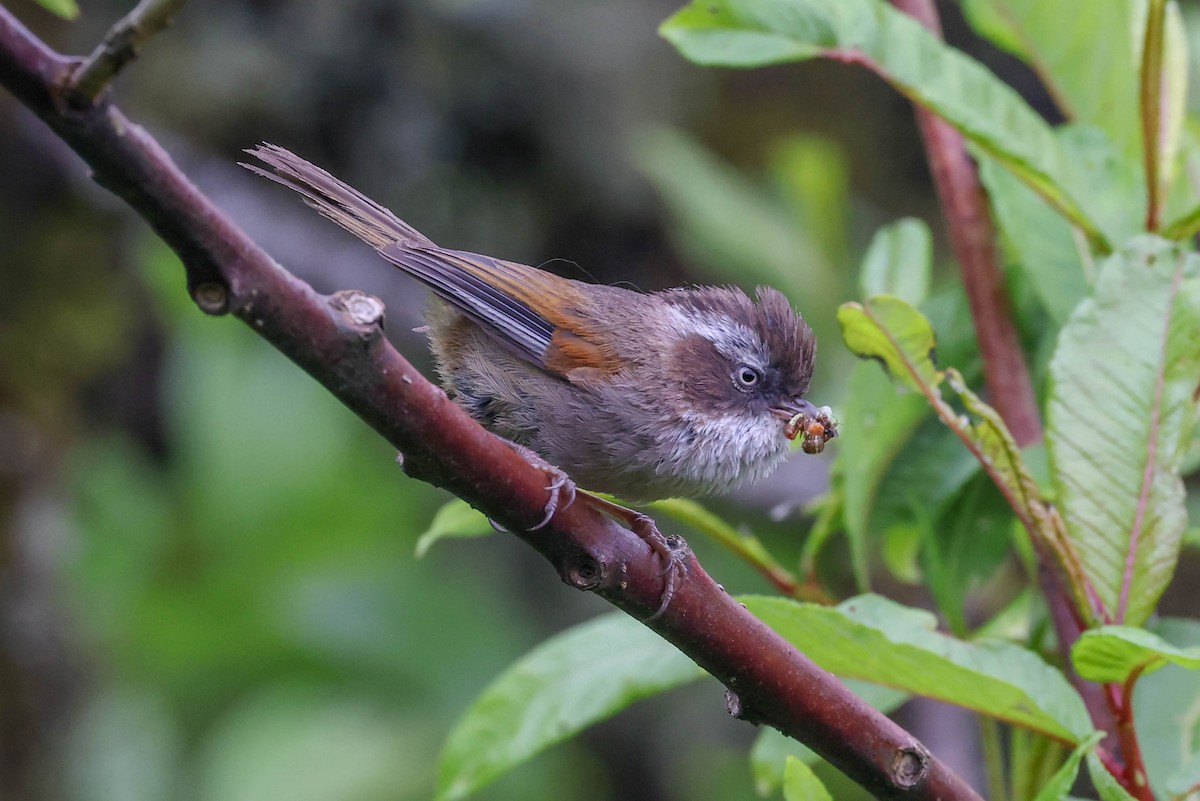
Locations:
747 377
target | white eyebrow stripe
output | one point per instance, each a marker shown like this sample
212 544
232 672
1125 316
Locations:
733 340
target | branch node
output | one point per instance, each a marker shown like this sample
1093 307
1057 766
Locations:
739 709
585 572
120 46
212 297
361 310
910 766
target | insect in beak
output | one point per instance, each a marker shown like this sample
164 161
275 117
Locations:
815 426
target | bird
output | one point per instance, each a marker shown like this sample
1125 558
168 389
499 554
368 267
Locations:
684 392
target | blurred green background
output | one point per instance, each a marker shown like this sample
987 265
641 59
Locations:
207 583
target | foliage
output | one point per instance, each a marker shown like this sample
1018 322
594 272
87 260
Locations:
1112 294
1093 218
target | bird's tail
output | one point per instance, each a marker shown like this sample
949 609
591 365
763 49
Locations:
334 199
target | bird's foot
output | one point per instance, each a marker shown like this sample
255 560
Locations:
561 487
673 551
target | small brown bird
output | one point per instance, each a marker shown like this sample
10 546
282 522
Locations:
684 392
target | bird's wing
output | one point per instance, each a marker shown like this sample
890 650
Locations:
539 315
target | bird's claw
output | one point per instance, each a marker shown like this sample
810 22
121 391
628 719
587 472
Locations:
560 484
672 550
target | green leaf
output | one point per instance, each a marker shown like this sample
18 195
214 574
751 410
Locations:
67 9
898 262
457 519
901 551
744 544
900 337
562 686
801 784
1173 100
866 451
873 639
1097 85
1106 784
1186 779
999 449
1119 417
996 24
1036 240
1112 654
1167 709
1060 783
927 475
752 33
965 546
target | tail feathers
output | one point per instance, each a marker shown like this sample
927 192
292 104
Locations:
334 199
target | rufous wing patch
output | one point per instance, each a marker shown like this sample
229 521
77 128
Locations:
578 359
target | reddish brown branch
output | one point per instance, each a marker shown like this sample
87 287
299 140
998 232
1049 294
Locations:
338 341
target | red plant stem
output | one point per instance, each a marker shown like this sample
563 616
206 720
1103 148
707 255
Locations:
1010 389
973 239
339 341
1133 775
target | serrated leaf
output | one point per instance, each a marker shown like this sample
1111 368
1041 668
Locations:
1120 412
569 682
750 33
897 335
801 784
873 639
898 261
999 449
457 520
1060 783
1114 653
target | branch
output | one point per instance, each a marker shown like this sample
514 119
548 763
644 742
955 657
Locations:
119 47
338 340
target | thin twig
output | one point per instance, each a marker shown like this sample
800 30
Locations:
339 341
119 47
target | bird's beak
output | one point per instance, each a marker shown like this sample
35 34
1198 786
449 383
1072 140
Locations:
791 412
802 419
